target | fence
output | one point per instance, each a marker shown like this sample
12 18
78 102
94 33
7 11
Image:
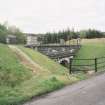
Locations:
96 64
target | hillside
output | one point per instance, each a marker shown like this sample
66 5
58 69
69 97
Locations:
91 48
18 82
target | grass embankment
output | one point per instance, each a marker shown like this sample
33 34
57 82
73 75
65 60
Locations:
19 83
12 75
50 67
91 48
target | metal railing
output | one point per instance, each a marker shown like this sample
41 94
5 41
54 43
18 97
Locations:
94 64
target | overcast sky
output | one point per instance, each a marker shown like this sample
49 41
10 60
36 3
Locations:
38 16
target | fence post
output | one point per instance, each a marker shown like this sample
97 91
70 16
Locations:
95 64
70 65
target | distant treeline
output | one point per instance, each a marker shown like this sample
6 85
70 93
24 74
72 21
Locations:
71 34
49 37
11 30
55 37
91 33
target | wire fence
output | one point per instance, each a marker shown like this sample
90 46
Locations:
95 64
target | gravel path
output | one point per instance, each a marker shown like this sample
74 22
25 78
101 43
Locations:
25 60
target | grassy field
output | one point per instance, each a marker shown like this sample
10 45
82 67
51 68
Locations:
50 67
18 83
91 48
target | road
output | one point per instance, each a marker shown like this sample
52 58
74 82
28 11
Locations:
87 92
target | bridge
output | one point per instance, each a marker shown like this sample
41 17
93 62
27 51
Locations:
60 53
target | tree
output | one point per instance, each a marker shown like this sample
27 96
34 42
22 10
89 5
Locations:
91 33
3 33
21 39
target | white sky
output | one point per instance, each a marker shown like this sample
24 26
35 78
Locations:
51 15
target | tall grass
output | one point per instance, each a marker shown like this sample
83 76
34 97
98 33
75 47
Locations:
18 84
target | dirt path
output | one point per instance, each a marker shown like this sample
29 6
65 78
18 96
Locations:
25 60
87 92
